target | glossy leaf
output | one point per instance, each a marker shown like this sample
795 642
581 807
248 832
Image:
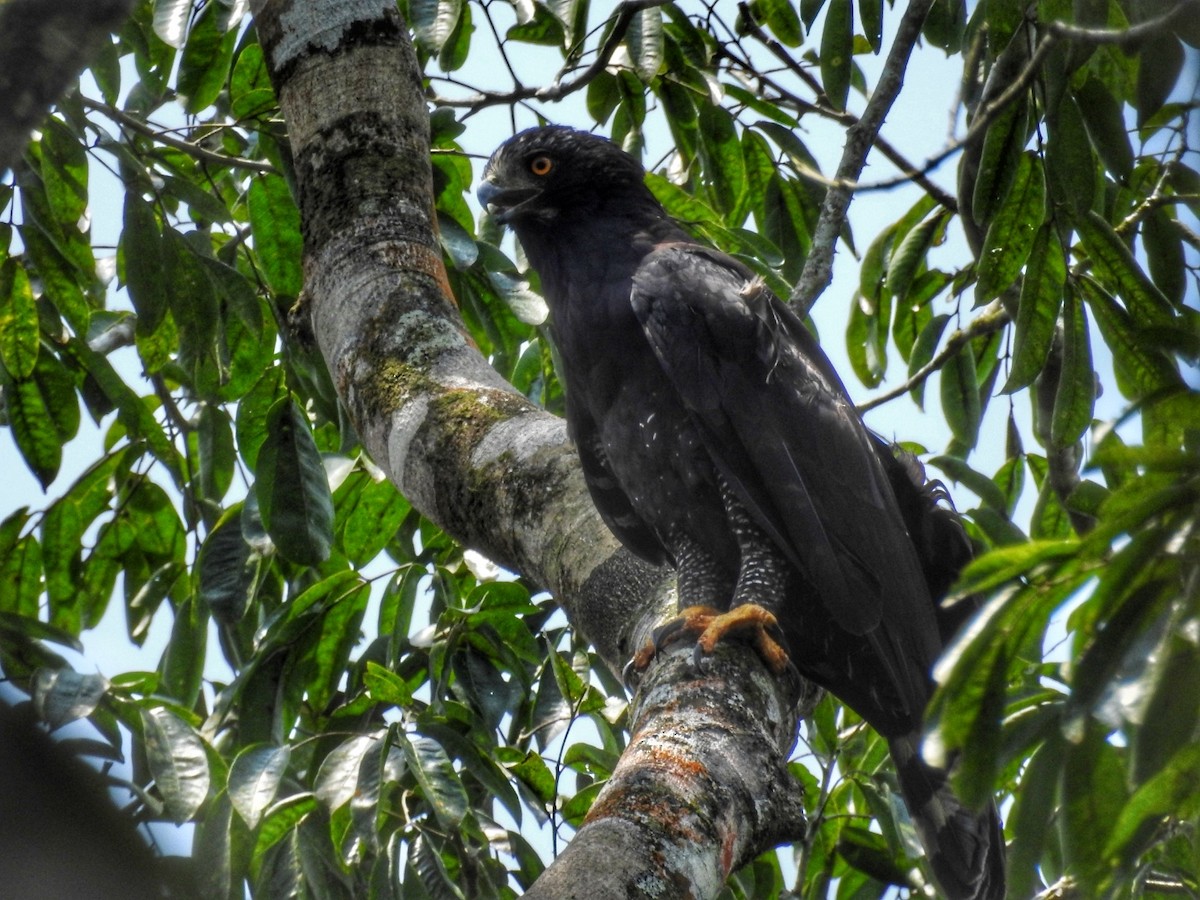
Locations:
61 696
292 490
1076 394
1013 230
18 321
175 754
999 161
275 222
254 780
1038 308
960 396
837 43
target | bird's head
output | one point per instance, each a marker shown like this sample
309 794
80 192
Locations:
543 173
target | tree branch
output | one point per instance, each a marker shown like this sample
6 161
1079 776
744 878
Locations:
818 268
478 458
992 318
195 151
44 45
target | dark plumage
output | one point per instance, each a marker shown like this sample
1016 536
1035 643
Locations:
715 436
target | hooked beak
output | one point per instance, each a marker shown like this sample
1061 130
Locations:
503 204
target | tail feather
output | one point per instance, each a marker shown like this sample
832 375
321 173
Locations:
965 848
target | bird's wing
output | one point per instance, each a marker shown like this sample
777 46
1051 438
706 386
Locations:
779 427
611 501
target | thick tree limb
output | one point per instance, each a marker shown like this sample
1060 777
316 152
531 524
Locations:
690 801
44 45
474 455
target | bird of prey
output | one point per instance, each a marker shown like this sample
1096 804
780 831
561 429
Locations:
715 436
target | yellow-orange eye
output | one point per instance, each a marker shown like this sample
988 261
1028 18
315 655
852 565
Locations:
541 165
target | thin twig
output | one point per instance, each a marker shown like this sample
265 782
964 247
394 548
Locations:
194 150
818 268
559 88
992 318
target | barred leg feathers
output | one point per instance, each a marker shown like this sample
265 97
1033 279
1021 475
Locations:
965 848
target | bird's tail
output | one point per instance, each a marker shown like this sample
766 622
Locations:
965 848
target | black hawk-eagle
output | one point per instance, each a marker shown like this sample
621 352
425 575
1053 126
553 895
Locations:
716 437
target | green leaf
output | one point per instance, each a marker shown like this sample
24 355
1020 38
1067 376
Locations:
433 22
866 341
18 320
292 489
837 49
64 172
254 779
170 21
132 411
1012 231
910 254
986 489
275 224
1076 394
1159 64
1106 124
945 23
1173 792
809 10
1070 161
439 782
721 152
369 523
454 51
1116 263
43 412
1037 312
21 573
1162 238
221 851
923 350
1170 713
1028 822
182 664
999 566
214 433
337 778
250 91
227 569
1140 367
960 396
645 42
63 695
252 414
191 297
781 18
999 160
386 687
870 14
1093 794
175 754
204 65
142 255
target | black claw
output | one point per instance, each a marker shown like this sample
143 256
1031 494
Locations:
698 658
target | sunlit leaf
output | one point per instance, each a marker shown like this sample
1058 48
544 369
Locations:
175 753
62 695
254 779
18 320
837 47
1037 311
